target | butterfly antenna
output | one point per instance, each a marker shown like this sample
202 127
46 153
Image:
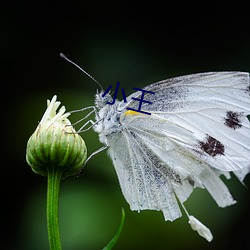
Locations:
68 60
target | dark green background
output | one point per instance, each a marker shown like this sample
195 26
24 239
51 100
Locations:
135 43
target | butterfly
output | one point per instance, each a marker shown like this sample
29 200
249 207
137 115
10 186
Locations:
198 130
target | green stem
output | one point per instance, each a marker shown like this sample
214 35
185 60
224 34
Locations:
117 234
54 177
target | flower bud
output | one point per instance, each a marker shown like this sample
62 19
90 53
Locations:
55 144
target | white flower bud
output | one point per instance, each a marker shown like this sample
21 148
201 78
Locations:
55 143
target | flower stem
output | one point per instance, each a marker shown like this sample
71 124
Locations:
53 185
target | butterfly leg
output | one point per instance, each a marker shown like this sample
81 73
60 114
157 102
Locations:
83 129
86 116
96 152
91 155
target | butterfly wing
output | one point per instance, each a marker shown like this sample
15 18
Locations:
141 184
197 131
213 107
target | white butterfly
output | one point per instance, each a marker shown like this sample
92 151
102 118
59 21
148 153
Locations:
198 129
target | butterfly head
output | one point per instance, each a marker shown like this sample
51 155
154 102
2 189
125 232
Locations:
101 99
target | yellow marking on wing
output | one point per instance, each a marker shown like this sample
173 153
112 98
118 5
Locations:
131 112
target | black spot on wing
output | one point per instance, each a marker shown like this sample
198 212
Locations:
248 89
191 181
233 119
212 146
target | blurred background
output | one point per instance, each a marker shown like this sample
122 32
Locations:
135 43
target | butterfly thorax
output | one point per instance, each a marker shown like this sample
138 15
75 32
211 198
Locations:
107 117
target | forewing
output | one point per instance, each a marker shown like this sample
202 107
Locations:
212 107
